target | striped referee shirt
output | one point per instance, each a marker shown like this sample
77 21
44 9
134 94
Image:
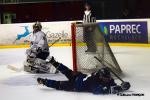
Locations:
88 17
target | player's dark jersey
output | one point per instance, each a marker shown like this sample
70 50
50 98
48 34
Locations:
97 83
94 83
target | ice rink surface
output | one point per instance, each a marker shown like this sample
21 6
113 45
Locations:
134 61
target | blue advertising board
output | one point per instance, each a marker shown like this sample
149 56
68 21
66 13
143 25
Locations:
131 32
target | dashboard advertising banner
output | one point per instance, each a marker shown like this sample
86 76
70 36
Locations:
133 32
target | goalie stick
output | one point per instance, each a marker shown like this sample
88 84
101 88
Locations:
13 68
55 42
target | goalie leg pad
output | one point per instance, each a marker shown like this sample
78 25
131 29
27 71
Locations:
28 67
39 66
43 65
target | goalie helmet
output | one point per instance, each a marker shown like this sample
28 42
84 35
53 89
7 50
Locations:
37 25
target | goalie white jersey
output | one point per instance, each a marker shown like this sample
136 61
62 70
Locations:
39 39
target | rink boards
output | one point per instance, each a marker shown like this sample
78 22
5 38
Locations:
69 44
54 30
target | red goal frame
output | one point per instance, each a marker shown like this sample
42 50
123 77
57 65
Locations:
73 35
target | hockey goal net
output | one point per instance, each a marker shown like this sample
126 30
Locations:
89 42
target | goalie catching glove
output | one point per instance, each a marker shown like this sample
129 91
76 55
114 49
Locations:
34 49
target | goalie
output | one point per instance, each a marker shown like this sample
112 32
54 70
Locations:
99 82
38 52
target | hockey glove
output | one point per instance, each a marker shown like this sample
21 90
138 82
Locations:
41 81
125 85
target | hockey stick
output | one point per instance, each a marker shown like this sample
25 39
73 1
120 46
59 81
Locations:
13 68
109 68
55 41
124 85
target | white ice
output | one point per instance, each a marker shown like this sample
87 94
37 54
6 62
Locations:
134 61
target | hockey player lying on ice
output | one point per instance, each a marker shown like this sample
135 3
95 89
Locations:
99 82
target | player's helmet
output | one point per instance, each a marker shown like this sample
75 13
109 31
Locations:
104 72
37 25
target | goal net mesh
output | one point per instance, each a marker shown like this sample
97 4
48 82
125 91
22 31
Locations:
89 42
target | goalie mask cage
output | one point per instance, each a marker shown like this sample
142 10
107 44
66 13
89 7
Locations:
89 37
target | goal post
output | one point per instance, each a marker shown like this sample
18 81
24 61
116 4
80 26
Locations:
73 31
88 41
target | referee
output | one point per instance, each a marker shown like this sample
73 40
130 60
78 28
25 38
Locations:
88 34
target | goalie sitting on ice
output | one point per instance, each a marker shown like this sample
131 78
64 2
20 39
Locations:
38 53
99 82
